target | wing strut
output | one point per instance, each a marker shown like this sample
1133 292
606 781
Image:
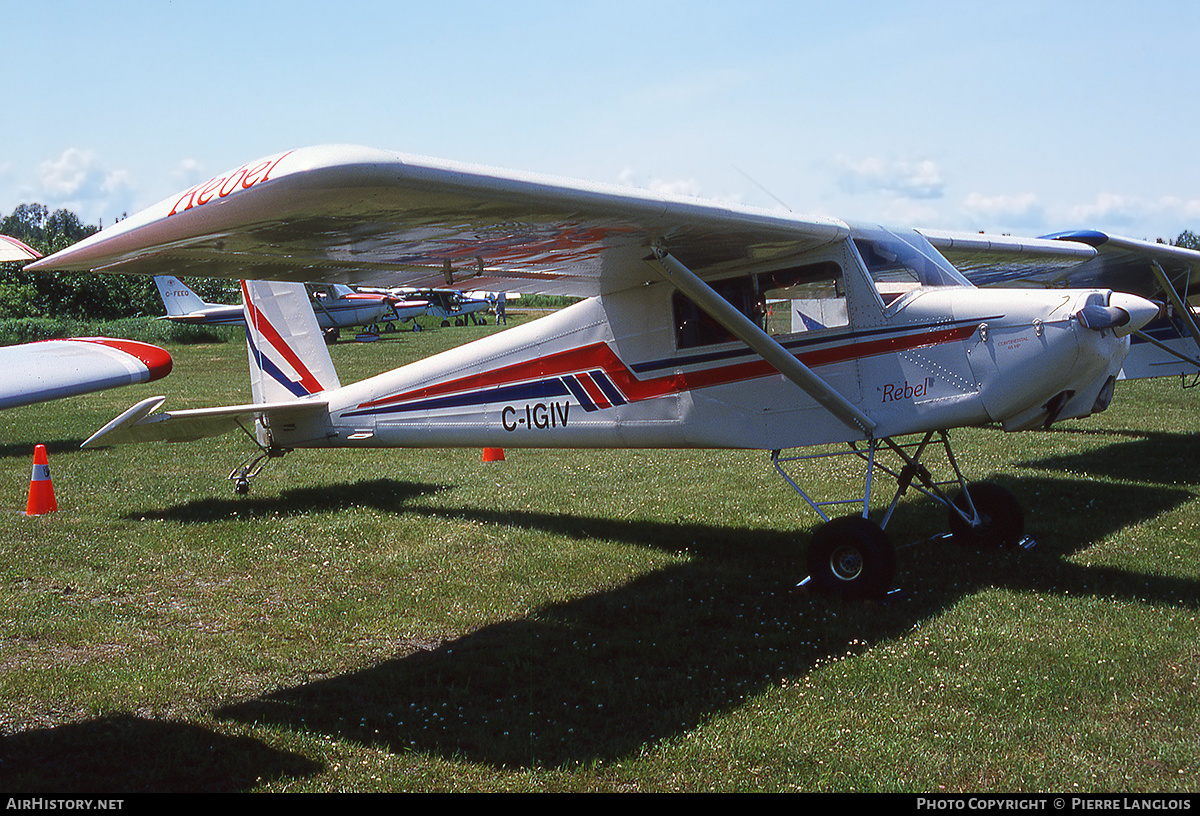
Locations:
1181 307
763 344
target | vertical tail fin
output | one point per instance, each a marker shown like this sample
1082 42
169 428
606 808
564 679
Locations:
288 356
177 298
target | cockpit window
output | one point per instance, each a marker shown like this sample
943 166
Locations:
903 263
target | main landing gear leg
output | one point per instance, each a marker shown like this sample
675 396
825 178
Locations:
853 557
250 467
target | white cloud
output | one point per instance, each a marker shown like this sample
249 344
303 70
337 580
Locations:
675 187
996 213
904 179
77 181
1109 209
187 173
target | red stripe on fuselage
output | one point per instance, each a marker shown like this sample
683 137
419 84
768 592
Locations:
593 390
599 355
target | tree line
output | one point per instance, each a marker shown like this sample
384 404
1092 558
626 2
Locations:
73 295
87 296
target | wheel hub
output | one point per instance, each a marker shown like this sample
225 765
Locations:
846 563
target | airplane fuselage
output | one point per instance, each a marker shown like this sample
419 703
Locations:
622 370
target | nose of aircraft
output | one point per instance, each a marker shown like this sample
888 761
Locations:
1124 314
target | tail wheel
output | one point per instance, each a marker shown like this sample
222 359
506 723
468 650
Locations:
1001 519
852 557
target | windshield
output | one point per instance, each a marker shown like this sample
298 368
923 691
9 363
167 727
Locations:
903 263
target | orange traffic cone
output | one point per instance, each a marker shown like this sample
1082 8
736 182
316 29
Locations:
41 489
493 454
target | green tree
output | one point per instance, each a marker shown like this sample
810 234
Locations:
65 294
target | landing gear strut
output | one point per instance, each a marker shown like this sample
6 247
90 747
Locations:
251 465
854 557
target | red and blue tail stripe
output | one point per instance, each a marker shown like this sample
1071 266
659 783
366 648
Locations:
305 382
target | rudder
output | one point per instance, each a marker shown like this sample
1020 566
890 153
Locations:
286 348
177 299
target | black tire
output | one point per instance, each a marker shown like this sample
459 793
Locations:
852 557
1003 519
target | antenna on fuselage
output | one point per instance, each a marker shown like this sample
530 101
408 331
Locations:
754 181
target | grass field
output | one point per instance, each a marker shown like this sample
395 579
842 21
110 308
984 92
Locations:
583 621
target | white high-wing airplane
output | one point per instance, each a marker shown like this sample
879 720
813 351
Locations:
449 304
337 307
53 369
704 325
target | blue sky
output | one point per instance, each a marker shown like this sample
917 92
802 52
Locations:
1007 117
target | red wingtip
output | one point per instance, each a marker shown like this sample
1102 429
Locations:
156 359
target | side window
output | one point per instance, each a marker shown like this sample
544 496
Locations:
786 301
806 298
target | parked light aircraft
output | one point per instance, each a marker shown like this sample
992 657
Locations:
449 304
53 369
446 304
337 307
883 345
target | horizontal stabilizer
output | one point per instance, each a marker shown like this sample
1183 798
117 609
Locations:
141 424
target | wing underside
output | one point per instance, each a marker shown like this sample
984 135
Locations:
367 217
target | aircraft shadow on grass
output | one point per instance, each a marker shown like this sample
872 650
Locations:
1144 456
602 676
594 678
127 754
384 495
24 450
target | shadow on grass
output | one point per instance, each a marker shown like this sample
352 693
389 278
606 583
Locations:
385 495
24 450
1162 458
602 676
128 754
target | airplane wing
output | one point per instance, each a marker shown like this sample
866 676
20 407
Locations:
374 218
13 250
988 260
53 369
1071 260
141 424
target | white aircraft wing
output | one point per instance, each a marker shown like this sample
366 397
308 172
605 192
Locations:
13 250
374 218
53 369
1005 260
1072 260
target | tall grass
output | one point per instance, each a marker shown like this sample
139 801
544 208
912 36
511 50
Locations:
583 621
